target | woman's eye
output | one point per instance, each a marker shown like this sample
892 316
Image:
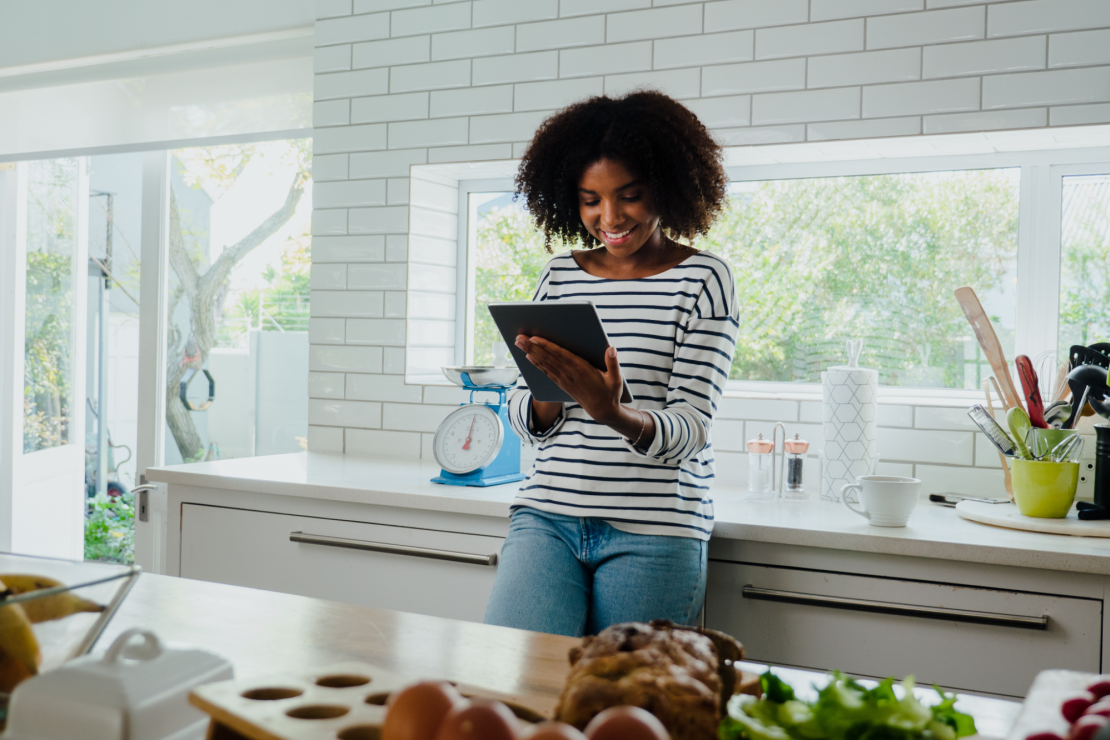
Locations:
632 199
591 202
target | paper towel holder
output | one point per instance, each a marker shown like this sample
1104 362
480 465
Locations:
855 347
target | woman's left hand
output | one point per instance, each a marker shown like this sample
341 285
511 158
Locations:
597 392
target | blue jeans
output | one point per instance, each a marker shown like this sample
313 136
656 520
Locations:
570 576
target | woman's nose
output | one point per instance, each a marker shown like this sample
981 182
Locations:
610 213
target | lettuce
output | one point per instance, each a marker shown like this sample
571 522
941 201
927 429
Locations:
844 710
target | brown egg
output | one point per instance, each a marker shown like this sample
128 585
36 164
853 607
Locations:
416 712
478 720
626 723
551 731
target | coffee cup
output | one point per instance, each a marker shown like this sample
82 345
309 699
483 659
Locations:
887 500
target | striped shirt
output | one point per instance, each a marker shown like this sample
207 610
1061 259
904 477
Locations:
675 334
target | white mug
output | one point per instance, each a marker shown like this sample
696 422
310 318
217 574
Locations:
887 500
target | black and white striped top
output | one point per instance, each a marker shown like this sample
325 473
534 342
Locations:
675 333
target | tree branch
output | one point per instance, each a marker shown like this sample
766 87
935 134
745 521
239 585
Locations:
179 254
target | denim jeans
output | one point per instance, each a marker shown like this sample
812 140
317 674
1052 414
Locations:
571 576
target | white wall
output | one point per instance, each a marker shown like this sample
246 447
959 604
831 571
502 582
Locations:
403 82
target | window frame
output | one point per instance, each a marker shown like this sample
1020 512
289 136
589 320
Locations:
1038 252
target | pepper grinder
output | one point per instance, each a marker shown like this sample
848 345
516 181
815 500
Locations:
1102 465
793 488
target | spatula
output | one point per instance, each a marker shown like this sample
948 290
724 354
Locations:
988 340
1081 355
1032 391
1088 383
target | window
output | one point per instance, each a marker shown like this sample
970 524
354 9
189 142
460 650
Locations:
830 251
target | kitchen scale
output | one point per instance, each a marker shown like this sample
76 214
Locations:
474 445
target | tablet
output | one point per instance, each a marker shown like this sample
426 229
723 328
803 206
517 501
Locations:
573 325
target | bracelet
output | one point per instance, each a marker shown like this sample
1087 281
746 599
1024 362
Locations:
643 424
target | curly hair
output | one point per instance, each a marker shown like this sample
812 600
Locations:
654 136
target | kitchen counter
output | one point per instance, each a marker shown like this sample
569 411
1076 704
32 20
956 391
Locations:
263 632
934 531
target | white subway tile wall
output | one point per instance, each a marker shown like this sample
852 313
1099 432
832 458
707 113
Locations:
402 83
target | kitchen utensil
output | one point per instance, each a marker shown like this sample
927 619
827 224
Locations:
1056 414
1080 355
995 433
886 500
1061 381
1046 363
1088 376
988 340
1102 465
1033 403
482 375
135 691
1006 479
1080 391
1088 511
475 445
951 499
794 459
1068 450
1037 444
1018 421
761 470
1045 489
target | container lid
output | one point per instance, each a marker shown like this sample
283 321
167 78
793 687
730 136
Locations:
797 446
760 446
138 690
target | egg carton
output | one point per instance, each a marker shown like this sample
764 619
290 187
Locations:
345 701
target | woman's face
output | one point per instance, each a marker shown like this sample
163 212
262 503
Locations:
616 208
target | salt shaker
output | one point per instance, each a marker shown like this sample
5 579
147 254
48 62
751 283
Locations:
793 488
761 466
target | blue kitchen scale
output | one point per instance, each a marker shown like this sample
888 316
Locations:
475 445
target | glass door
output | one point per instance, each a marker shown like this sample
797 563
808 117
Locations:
43 222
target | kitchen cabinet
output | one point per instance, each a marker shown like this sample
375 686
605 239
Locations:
404 568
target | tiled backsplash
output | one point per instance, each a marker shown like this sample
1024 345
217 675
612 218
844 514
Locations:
406 82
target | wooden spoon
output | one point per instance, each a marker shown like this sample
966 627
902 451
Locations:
988 340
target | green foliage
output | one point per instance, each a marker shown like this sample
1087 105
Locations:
284 302
110 529
820 261
51 242
1085 298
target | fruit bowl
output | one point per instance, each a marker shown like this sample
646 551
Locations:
54 610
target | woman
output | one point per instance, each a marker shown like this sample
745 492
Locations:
613 521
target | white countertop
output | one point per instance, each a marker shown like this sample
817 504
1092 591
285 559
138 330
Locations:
933 531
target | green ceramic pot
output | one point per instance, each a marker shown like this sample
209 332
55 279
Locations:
1053 436
1044 489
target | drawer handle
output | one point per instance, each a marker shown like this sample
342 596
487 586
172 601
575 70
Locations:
417 552
905 610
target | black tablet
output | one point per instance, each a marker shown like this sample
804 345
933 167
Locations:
573 325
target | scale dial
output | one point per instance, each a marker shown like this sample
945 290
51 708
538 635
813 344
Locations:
468 438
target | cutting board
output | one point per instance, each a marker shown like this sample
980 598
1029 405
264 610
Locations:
1007 515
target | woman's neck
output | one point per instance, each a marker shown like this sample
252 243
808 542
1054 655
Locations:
658 255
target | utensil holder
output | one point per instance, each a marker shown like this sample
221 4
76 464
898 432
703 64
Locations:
1043 489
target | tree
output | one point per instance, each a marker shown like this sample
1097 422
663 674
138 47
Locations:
203 286
818 261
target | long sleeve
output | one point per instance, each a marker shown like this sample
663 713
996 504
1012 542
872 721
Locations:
703 356
520 399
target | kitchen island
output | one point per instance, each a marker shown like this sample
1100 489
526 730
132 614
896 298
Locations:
264 632
965 605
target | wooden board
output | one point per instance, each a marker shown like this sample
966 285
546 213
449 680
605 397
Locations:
341 699
1007 515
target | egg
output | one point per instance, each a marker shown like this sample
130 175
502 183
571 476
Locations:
416 712
551 731
626 723
478 720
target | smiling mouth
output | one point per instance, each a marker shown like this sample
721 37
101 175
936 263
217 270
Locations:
616 237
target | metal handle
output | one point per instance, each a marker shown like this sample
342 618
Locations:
419 552
905 610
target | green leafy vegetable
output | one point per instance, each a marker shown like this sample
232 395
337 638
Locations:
844 710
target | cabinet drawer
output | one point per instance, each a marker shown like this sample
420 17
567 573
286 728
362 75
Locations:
444 574
974 639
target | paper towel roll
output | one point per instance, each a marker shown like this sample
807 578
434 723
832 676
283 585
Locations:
850 397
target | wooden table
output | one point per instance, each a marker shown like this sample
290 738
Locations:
263 632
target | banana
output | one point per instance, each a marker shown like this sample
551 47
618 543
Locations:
47 607
19 650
